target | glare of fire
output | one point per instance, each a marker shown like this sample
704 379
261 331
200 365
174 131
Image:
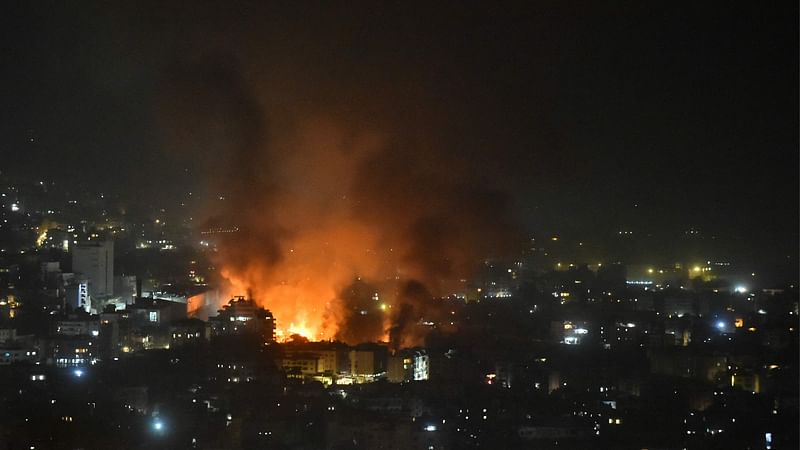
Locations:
295 306
42 237
284 334
301 290
41 231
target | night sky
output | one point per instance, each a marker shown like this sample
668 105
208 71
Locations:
594 116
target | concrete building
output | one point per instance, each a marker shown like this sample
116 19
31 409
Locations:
94 260
125 288
189 331
243 316
368 362
408 365
300 365
78 325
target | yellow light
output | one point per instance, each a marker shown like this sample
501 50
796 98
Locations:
738 323
554 238
41 238
649 270
696 268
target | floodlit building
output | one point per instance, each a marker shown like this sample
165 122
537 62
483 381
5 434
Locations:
156 312
408 365
368 362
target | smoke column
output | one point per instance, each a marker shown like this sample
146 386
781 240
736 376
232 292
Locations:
348 208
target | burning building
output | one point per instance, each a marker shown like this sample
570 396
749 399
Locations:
315 200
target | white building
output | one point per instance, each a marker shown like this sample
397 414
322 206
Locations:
95 261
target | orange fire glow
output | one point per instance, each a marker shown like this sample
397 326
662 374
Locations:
301 290
339 206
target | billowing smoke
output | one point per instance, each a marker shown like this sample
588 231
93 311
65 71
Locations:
413 304
360 316
342 207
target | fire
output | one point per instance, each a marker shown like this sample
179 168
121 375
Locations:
302 330
295 306
336 206
302 288
283 334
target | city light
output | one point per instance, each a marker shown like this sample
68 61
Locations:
331 240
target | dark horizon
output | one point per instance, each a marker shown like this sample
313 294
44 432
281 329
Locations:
594 118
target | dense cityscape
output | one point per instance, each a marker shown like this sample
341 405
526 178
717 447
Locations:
380 225
113 337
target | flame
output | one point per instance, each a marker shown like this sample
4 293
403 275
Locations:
41 231
301 291
339 206
285 334
41 238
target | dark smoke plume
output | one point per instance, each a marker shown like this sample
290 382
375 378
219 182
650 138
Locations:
413 304
330 189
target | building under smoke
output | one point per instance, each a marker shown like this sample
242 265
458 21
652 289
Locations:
94 261
243 316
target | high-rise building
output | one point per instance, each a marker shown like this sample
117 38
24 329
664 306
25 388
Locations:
94 260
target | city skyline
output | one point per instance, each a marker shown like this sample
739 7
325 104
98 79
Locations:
399 225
